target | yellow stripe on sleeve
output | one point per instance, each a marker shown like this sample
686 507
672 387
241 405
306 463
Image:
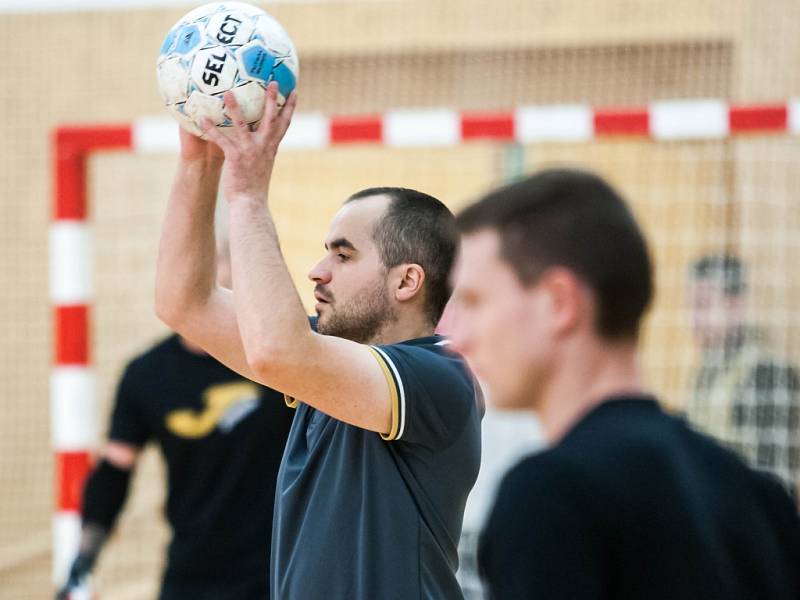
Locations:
393 393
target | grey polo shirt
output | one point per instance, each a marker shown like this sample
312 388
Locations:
364 516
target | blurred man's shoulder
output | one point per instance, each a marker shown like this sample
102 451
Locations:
156 352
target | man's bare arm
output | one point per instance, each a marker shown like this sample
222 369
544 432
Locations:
187 297
337 376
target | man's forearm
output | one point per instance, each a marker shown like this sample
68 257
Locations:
186 271
93 538
271 317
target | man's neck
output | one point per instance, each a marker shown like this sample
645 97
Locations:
191 347
588 379
403 329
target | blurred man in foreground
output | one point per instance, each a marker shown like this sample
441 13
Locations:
743 393
552 283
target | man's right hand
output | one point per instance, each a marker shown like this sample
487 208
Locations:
93 537
195 149
77 586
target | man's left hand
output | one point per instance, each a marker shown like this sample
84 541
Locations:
250 155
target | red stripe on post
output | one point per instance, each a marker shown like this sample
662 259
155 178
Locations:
70 184
71 144
71 471
759 117
356 129
86 138
624 121
498 126
72 335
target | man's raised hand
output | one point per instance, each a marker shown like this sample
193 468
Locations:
195 149
250 155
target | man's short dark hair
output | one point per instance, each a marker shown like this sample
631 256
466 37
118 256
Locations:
726 269
417 228
576 220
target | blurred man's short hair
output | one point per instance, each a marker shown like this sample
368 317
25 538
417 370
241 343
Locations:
576 220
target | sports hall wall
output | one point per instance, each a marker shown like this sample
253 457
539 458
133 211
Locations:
366 57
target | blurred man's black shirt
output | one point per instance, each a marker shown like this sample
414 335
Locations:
634 504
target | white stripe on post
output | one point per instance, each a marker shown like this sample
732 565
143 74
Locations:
70 262
73 411
567 122
153 135
689 119
308 131
66 538
437 127
793 124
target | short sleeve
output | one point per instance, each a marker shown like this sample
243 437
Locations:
535 543
127 419
432 392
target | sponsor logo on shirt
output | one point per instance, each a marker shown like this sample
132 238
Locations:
225 406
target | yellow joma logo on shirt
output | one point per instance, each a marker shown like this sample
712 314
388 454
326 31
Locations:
220 405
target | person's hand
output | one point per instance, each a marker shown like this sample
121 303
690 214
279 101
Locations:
195 149
250 155
77 585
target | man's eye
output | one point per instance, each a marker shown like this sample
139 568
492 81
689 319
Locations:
342 257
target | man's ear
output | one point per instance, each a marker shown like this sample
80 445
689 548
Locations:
567 299
410 279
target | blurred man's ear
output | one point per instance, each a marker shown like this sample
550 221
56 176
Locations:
569 302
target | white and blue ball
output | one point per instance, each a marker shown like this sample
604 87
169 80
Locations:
219 47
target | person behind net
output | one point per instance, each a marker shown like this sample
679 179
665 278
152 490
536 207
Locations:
743 393
627 501
385 445
222 438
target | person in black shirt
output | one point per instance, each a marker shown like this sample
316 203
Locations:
627 502
222 438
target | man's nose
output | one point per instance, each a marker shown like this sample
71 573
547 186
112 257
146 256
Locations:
320 274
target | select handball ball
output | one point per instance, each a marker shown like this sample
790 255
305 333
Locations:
219 47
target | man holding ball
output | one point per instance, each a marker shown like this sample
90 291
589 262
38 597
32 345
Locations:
385 445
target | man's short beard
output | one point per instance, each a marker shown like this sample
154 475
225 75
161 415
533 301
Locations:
363 319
